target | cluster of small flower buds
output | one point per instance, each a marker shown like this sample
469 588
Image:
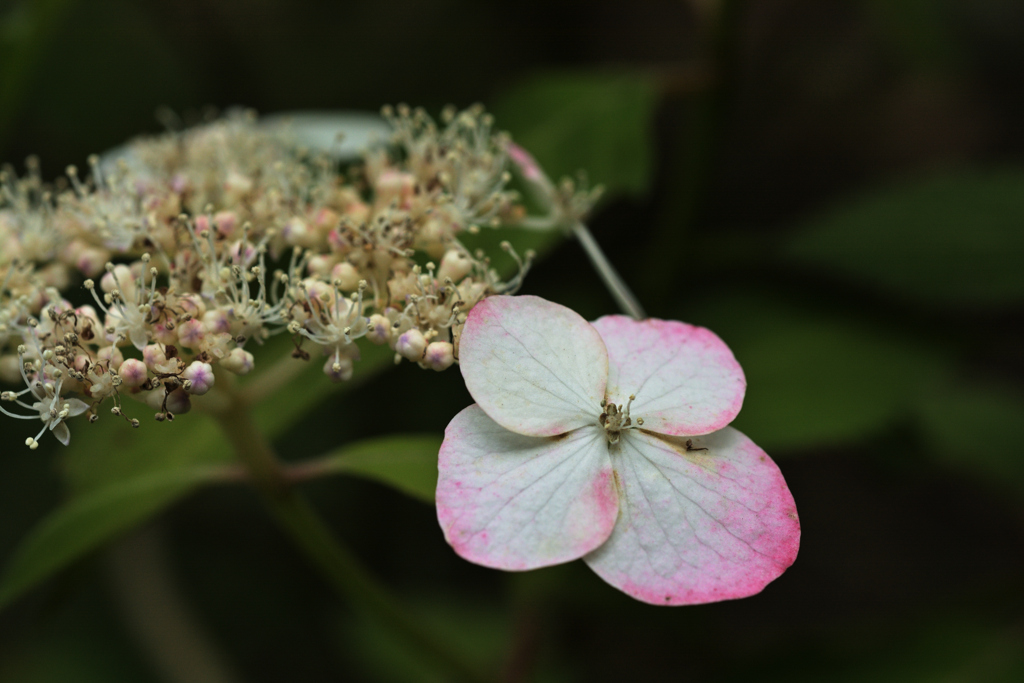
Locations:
197 244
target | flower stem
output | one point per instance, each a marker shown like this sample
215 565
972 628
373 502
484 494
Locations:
314 539
621 292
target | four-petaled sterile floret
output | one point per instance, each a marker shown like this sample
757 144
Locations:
198 245
553 462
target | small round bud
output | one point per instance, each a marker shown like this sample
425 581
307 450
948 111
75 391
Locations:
346 275
178 402
439 355
111 354
200 375
378 331
338 370
226 221
132 373
191 333
239 361
296 232
411 344
320 265
153 356
216 321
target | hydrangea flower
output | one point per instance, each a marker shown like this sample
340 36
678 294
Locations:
609 442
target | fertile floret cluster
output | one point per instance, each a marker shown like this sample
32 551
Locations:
196 245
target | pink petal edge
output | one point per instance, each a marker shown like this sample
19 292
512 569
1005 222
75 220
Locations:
515 502
697 526
686 380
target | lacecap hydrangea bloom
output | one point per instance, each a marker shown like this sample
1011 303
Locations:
185 252
610 442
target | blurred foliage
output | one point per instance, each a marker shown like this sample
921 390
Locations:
816 377
595 123
407 463
858 244
951 240
25 30
477 629
977 428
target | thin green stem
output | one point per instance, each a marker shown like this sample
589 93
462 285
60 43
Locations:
314 539
621 292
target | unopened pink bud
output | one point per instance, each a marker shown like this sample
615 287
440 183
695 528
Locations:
112 355
242 253
132 373
347 276
200 375
153 355
239 361
225 222
191 333
411 344
394 185
295 232
91 261
162 335
379 329
216 321
439 356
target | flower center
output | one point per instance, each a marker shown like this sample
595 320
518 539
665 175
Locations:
614 419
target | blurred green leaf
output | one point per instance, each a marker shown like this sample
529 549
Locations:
25 29
407 463
950 239
596 122
291 403
950 651
89 520
918 29
979 429
110 452
82 642
817 378
478 630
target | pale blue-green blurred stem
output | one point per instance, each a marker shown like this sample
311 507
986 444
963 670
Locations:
622 294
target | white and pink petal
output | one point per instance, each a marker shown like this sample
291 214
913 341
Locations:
517 502
685 379
535 367
697 526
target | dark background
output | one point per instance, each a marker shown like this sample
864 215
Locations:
835 188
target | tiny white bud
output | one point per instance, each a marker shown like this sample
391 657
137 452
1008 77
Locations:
132 373
378 330
339 370
239 361
455 265
439 355
411 344
200 375
347 276
191 333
